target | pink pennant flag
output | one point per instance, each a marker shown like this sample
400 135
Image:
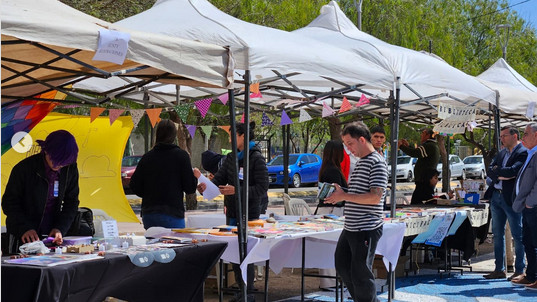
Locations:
224 98
363 101
191 129
203 106
242 118
345 106
285 119
254 89
327 111
113 114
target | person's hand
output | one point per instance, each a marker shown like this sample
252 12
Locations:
202 187
211 176
505 178
29 236
403 142
197 172
336 196
227 190
57 235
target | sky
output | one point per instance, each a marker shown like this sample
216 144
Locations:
527 10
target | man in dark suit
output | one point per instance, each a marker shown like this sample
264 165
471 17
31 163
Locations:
526 203
503 171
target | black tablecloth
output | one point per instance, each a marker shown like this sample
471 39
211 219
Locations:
115 276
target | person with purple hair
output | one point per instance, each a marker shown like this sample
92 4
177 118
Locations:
41 196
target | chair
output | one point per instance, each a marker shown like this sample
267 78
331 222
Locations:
286 202
98 217
299 207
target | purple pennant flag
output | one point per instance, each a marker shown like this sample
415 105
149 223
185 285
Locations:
265 120
285 119
224 98
203 106
191 129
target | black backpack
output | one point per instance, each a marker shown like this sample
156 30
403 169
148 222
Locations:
82 224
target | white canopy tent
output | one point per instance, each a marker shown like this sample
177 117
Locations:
515 93
423 77
47 43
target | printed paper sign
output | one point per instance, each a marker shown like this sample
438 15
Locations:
112 46
110 228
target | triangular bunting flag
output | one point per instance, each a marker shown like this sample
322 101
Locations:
304 116
363 101
113 114
226 128
224 98
95 112
136 116
265 120
203 106
182 111
154 115
254 91
207 130
285 119
191 129
242 118
345 106
327 111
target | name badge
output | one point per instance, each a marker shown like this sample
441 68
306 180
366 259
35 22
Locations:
241 174
56 188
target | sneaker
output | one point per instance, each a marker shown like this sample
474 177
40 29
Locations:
510 269
515 276
532 286
495 275
521 282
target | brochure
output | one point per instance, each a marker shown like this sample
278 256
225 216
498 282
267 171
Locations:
53 259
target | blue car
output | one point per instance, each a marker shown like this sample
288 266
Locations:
303 168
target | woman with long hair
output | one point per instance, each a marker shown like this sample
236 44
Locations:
331 172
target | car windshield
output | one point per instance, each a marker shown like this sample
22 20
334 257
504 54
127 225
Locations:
278 161
403 160
473 160
130 161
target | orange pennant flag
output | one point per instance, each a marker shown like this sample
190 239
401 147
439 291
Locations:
154 115
95 112
345 106
227 129
254 88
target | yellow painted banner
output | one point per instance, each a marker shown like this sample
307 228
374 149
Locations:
101 147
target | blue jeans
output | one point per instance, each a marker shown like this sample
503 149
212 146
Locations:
501 212
354 256
162 220
530 242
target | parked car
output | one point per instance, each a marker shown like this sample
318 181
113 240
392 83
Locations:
456 166
405 168
474 166
128 166
303 168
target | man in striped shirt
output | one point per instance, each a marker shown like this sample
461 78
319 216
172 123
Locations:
356 246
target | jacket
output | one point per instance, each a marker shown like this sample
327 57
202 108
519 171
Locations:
161 178
257 186
511 169
527 187
428 156
26 195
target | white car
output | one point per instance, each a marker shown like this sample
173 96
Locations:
474 166
456 166
405 168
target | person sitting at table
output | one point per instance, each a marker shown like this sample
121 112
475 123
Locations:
41 195
257 189
162 177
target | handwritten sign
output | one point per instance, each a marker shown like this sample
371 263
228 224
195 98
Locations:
110 229
113 46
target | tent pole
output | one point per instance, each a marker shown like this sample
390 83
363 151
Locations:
394 138
246 165
285 153
497 121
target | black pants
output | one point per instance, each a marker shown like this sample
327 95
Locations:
249 275
529 237
354 257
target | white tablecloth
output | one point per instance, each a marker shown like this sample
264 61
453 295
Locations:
286 251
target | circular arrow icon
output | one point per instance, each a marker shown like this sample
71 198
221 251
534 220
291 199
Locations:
21 142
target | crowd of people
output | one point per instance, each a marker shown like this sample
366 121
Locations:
41 196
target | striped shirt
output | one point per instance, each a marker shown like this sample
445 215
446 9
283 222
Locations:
370 171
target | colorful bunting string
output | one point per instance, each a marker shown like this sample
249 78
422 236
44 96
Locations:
182 111
154 115
191 129
254 91
227 129
363 101
136 116
304 116
95 112
327 111
285 119
224 98
207 130
345 105
203 106
265 120
113 114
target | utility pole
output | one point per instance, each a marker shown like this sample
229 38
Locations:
503 39
359 13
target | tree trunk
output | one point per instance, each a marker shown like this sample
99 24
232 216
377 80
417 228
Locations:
335 128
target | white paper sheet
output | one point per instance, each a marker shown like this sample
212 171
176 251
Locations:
113 46
211 191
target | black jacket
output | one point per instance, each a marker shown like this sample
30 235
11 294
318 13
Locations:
161 178
26 195
513 165
257 186
428 156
